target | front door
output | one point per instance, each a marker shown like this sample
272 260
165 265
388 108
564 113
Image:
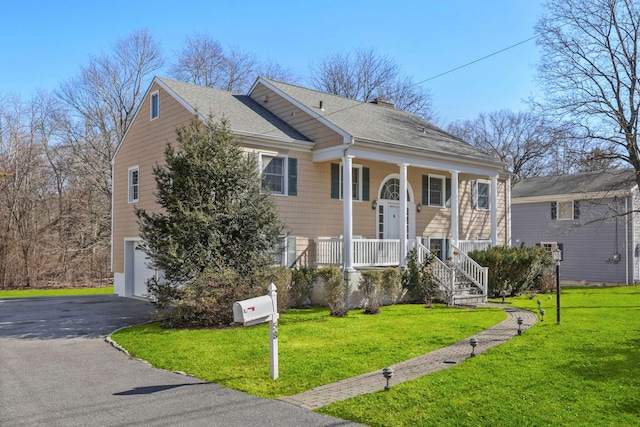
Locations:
392 221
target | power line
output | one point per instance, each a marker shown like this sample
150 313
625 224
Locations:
478 60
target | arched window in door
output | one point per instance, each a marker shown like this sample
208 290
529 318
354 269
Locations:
388 210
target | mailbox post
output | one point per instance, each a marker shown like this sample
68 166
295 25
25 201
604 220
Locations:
273 332
258 310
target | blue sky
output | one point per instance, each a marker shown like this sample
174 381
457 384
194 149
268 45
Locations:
46 42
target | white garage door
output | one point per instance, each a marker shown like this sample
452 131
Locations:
141 273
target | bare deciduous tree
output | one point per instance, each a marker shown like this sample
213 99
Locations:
589 69
522 140
365 75
203 61
103 99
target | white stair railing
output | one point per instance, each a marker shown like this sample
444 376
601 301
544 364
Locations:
445 275
471 269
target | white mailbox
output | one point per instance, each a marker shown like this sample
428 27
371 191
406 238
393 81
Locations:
253 311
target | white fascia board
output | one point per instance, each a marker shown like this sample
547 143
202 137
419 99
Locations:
600 195
345 136
359 151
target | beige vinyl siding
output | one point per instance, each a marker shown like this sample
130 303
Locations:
301 121
143 146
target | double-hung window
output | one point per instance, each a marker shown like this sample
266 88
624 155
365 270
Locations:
359 182
356 182
436 190
134 184
565 210
480 191
274 172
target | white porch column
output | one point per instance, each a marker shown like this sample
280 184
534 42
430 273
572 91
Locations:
455 210
508 211
494 210
403 213
347 213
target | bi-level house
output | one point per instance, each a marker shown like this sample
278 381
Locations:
357 184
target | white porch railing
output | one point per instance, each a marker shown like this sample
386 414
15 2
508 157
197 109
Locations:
386 252
466 246
376 252
329 251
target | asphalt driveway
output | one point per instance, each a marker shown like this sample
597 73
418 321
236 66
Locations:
57 370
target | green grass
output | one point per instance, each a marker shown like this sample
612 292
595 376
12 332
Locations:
315 349
24 293
583 372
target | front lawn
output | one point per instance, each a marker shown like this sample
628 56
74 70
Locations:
25 293
583 372
315 348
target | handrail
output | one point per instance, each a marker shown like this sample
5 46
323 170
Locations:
471 269
442 272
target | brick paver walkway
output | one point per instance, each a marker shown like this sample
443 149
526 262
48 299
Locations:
437 360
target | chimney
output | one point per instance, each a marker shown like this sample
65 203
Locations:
384 103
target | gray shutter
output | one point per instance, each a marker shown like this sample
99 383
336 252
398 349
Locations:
576 209
425 190
293 177
474 194
554 210
291 251
365 184
335 181
447 196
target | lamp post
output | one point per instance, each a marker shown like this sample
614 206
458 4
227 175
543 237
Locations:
557 257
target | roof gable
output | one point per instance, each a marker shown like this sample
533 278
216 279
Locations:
370 122
245 115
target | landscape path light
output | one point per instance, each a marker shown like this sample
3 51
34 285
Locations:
542 314
519 320
473 342
388 374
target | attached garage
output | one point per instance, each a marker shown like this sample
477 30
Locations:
136 271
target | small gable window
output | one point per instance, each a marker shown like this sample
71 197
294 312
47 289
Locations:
155 105
134 184
565 210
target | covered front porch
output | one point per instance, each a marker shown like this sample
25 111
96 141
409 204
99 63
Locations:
460 277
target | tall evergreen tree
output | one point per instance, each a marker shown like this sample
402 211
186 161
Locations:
214 215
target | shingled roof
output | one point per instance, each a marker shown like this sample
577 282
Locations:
244 114
579 183
377 123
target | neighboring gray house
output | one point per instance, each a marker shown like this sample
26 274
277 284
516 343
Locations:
592 216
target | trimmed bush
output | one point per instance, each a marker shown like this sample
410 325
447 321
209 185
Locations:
370 286
418 279
279 276
513 271
301 286
392 284
333 290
